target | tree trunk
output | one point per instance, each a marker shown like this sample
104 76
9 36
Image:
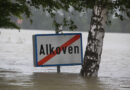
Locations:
94 46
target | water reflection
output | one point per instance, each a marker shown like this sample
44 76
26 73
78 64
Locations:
12 80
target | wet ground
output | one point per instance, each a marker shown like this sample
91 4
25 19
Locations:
17 71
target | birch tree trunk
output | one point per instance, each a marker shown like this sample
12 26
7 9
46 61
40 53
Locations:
94 46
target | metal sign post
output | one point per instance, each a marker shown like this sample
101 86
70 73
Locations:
58 69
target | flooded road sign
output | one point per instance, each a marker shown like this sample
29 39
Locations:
57 49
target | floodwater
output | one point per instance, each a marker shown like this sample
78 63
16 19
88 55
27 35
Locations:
17 71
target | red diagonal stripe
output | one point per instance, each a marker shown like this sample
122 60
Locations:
69 42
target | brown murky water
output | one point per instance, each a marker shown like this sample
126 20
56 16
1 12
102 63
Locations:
64 81
17 71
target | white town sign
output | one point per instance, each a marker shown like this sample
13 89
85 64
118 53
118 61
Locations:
57 49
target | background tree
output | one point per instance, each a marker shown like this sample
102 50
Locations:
12 9
101 10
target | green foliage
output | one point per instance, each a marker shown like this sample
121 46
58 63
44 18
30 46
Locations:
11 8
17 8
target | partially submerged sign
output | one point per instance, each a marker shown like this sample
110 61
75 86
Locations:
57 49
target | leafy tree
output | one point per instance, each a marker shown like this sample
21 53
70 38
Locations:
10 9
101 11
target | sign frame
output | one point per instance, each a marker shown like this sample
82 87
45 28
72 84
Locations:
35 54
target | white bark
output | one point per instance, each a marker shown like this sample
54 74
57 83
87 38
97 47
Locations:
93 52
